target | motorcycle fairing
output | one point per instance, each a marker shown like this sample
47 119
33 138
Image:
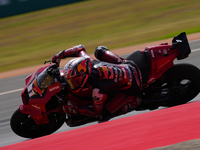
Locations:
161 59
34 104
163 55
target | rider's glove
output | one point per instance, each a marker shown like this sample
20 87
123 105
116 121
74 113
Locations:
55 59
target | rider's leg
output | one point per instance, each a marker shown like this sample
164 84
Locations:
103 54
122 102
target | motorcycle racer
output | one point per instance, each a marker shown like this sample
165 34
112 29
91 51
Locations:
99 79
90 90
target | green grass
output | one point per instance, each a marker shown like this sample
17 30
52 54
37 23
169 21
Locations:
31 38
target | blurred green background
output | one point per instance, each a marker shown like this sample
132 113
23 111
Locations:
30 39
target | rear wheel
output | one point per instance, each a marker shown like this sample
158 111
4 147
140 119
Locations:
24 125
178 85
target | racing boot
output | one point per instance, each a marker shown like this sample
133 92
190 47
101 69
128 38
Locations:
117 106
79 115
122 103
82 110
131 105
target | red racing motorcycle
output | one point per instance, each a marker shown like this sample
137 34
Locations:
164 84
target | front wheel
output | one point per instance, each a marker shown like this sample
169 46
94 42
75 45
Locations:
24 126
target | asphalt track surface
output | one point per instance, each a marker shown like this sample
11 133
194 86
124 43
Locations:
10 100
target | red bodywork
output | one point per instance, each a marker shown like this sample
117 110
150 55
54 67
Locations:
33 106
161 60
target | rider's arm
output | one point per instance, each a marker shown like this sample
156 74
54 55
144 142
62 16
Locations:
76 51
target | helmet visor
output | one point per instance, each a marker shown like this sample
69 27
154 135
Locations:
75 82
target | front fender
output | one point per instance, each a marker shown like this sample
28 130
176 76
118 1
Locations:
36 113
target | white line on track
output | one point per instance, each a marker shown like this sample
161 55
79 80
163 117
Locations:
195 50
8 92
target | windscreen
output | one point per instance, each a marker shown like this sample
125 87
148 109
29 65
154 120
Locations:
44 80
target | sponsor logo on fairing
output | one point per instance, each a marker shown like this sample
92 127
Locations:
54 88
35 106
21 108
164 51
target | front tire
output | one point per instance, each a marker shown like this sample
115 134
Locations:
24 125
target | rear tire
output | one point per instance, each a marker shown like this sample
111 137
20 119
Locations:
24 125
181 83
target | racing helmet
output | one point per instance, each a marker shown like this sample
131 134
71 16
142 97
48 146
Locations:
77 71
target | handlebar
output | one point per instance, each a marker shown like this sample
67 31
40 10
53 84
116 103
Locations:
47 61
